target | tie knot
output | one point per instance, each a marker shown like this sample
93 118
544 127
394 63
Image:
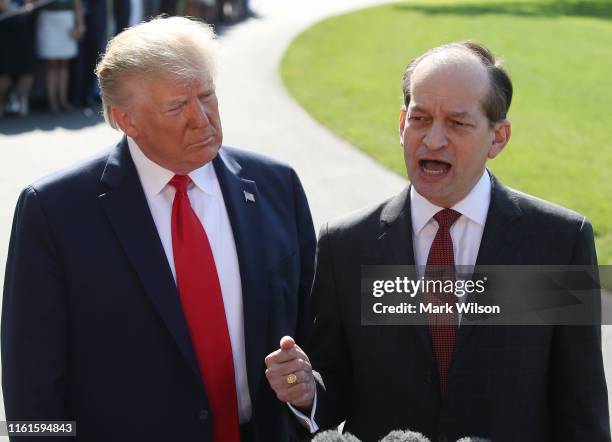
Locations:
446 217
180 183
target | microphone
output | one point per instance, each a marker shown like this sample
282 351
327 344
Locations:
334 436
473 439
404 436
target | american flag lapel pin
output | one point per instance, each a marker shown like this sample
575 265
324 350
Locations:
249 197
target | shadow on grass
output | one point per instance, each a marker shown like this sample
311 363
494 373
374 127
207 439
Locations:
601 9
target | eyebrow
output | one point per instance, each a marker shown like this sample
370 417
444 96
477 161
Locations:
176 101
465 115
452 114
417 109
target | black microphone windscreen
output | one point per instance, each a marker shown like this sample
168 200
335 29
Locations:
473 439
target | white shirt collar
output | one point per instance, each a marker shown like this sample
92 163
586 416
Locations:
154 177
474 206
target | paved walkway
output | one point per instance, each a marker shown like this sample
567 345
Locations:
256 112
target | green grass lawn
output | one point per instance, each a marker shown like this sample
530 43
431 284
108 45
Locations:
346 71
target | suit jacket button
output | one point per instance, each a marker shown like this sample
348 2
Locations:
203 415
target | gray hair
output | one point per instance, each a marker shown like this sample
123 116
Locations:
174 48
497 101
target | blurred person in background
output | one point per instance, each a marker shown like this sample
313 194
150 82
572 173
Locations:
60 25
16 61
84 84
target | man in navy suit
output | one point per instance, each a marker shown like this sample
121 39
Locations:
101 323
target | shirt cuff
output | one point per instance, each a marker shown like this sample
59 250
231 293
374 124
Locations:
307 422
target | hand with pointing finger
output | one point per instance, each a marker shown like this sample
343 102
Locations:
290 374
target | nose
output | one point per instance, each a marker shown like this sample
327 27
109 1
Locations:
198 117
435 138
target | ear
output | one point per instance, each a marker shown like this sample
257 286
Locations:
501 135
124 121
402 124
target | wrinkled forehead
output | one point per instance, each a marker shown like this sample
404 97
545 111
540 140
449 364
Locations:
158 90
167 81
455 77
202 81
187 76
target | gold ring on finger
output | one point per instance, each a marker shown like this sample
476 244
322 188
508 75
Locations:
291 379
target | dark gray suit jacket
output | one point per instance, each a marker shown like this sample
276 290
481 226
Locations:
521 383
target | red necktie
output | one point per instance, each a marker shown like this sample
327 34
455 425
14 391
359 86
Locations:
200 294
441 266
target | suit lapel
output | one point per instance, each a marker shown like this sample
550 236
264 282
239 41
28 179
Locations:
126 207
395 238
396 246
499 230
497 238
241 201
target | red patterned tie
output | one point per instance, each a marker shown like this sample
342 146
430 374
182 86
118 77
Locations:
200 294
441 266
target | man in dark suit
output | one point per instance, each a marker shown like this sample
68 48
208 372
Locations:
505 383
145 286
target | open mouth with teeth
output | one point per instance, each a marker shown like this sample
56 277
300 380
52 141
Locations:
434 167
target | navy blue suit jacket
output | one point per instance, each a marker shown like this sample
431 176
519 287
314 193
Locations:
92 326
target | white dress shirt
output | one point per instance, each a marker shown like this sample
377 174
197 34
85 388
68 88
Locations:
207 202
466 232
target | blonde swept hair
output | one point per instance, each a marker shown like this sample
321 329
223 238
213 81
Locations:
173 48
